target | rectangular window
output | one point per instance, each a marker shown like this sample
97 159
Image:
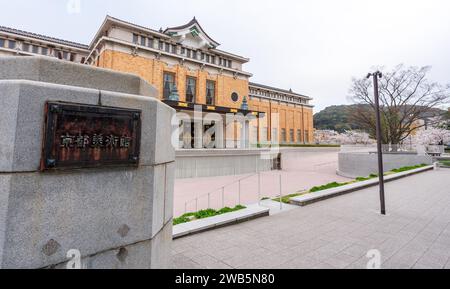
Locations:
183 50
229 63
299 136
207 57
167 47
174 49
135 38
194 54
150 43
210 92
291 134
213 59
66 55
161 45
44 51
169 82
143 41
12 44
188 53
25 47
307 136
203 56
35 49
2 42
191 89
283 135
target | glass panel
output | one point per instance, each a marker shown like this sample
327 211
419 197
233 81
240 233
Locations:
44 51
25 47
11 44
143 41
135 38
169 82
35 49
191 89
210 92
2 42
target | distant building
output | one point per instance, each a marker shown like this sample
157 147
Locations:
15 42
186 66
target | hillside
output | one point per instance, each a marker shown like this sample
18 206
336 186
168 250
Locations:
338 118
334 118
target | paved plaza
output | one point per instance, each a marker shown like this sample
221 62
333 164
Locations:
337 233
314 168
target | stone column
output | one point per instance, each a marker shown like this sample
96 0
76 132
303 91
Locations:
245 134
198 134
220 134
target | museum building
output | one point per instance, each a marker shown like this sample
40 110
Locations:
189 72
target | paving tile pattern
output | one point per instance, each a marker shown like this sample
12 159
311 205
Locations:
337 233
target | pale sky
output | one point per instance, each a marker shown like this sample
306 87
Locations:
314 47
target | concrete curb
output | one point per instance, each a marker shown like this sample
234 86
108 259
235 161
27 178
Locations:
335 192
199 226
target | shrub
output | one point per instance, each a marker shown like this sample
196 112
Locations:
328 186
188 217
405 169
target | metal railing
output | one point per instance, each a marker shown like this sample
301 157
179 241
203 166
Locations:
231 194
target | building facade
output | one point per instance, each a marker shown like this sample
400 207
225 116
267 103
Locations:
190 73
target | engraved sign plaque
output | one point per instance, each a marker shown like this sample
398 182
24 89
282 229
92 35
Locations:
87 136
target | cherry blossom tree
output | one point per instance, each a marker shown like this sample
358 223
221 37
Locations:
432 136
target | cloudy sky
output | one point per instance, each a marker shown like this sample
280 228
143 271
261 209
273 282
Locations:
314 47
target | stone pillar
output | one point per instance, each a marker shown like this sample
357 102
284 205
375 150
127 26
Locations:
245 134
115 217
220 135
198 134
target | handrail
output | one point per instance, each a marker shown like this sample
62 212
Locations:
222 188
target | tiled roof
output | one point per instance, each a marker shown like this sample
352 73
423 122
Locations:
43 37
192 22
276 89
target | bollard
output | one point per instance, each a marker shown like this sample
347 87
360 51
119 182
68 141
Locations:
437 166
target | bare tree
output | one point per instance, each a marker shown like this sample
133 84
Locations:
406 97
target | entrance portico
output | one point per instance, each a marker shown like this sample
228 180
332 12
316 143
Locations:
213 127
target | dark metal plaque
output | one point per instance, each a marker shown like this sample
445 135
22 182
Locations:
87 136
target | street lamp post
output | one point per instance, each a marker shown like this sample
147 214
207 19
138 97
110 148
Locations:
376 75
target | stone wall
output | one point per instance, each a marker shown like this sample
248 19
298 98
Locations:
116 217
212 163
353 165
